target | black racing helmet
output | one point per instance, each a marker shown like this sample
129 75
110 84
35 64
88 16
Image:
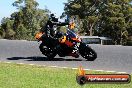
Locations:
53 18
52 15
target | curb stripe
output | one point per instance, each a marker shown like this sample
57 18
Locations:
86 69
99 70
63 67
110 71
53 66
66 67
122 72
74 68
8 62
20 63
31 64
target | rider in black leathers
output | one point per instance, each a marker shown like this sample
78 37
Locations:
49 36
49 31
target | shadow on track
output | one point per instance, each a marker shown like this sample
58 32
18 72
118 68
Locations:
37 58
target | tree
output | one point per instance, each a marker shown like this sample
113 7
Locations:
29 18
114 20
24 23
6 28
1 32
87 10
109 18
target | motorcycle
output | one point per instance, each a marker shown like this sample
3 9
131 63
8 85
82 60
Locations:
68 44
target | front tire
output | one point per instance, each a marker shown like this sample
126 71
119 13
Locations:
87 52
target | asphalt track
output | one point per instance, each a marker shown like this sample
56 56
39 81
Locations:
110 58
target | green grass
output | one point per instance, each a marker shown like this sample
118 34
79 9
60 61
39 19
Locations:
25 76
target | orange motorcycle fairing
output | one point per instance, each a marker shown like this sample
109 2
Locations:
68 43
63 39
76 39
38 35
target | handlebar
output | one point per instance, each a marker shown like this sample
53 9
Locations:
60 23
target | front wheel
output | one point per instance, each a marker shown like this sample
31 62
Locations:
87 53
50 53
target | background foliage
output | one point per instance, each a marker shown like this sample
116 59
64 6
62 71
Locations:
25 23
108 18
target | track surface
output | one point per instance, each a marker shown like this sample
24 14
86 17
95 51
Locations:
110 58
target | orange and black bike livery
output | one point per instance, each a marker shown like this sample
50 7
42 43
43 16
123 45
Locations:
64 44
68 44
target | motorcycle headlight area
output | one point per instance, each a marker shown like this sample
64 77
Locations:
38 35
